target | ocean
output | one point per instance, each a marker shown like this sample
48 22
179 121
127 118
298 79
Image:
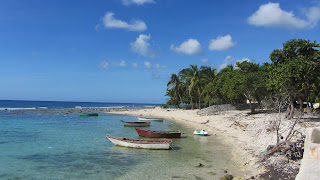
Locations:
38 140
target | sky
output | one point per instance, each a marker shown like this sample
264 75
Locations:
125 50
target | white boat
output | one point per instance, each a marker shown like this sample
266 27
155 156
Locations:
149 119
140 143
201 132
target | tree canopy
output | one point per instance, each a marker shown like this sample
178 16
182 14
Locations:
294 71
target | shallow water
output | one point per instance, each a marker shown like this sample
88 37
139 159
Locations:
67 146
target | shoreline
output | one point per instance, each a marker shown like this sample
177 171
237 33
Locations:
247 134
245 161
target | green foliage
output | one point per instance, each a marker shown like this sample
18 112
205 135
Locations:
294 71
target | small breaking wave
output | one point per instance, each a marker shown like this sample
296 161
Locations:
10 109
109 107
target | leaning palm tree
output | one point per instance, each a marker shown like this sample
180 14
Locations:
175 85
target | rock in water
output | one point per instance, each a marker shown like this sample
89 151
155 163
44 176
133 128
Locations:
227 177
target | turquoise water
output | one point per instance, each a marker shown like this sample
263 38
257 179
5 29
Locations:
40 145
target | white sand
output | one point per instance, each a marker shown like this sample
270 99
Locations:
248 142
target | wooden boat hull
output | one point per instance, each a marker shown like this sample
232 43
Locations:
158 134
150 119
135 124
88 114
140 143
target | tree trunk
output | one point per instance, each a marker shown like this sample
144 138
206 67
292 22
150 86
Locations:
180 100
309 109
191 101
251 106
291 107
301 105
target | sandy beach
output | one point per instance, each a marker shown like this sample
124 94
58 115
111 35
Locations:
249 135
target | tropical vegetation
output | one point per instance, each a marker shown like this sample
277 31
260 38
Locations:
294 72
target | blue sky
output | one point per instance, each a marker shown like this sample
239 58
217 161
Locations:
126 50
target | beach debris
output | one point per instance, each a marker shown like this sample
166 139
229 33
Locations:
205 122
293 150
199 165
239 125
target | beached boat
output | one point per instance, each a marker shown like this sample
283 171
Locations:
88 114
149 119
135 124
201 133
140 143
158 134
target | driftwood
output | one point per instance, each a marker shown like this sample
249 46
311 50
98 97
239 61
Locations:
292 149
205 122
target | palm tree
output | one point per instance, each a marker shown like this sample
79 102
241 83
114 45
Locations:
194 81
207 76
175 85
191 78
186 75
195 84
208 73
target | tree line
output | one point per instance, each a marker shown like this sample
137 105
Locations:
294 72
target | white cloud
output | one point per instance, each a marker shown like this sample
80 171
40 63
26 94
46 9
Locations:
110 22
135 65
271 15
229 60
106 64
142 46
122 63
204 60
221 43
189 47
158 66
313 14
148 65
103 65
138 2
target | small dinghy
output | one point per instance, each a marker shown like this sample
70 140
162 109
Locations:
135 124
158 134
140 143
88 114
201 132
141 118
